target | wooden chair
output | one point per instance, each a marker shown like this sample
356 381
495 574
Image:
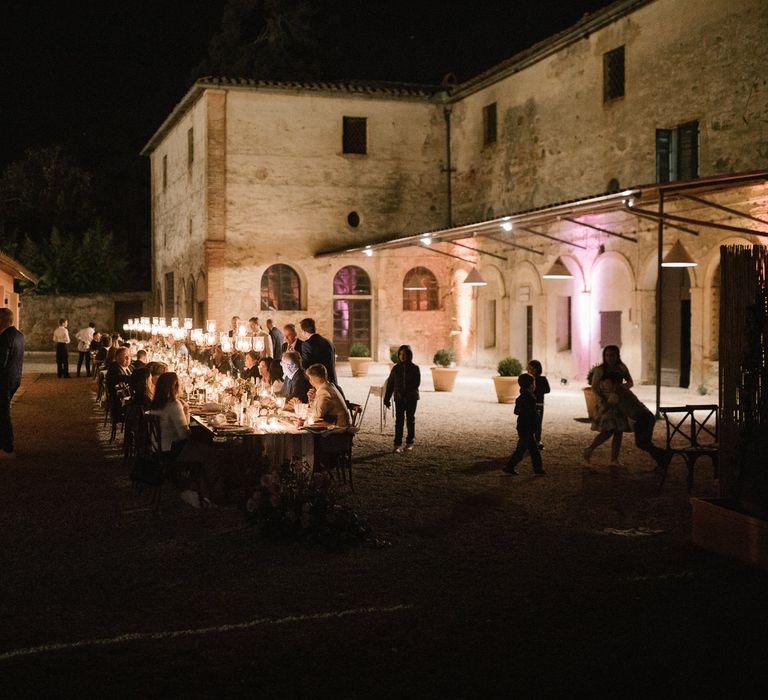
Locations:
153 467
691 437
118 403
333 453
356 413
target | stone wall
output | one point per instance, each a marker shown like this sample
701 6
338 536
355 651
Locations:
557 140
41 313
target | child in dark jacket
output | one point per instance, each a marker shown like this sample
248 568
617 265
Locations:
541 387
403 383
527 424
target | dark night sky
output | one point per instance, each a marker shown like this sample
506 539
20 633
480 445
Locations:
100 76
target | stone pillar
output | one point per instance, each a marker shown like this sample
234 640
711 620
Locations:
215 272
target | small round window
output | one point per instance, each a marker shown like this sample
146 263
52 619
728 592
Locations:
353 219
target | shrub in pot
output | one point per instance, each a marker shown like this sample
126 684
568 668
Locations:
443 375
505 383
359 359
394 358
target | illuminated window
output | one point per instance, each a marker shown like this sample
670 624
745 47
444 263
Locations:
420 290
280 289
351 280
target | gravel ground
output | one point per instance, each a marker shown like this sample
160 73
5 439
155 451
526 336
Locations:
492 585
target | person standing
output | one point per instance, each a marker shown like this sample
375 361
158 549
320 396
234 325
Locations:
277 338
541 387
61 338
84 338
292 342
527 421
11 360
403 383
317 350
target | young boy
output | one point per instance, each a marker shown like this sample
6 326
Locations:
527 424
635 410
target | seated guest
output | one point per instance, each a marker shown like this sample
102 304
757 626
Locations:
119 371
143 382
103 349
271 375
237 363
251 369
295 383
140 360
172 412
220 361
329 405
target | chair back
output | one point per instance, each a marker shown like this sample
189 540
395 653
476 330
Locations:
152 437
356 414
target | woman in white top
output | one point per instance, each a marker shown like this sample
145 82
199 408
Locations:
172 412
271 374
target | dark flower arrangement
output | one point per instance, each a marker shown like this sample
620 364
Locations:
292 503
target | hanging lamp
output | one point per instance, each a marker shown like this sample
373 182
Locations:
558 271
678 256
474 279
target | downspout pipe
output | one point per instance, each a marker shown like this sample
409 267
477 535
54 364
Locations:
447 109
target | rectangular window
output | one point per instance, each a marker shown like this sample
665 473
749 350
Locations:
677 153
165 172
613 74
170 307
563 324
489 124
610 328
355 139
190 147
490 324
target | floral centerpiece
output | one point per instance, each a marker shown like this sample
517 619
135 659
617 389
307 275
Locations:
293 503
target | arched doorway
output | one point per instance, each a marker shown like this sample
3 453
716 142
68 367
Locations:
351 309
676 327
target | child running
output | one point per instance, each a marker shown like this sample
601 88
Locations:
620 395
527 423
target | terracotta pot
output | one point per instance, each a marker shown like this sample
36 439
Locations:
507 389
444 378
591 399
360 365
719 527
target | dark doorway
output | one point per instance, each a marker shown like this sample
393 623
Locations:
125 310
685 343
351 324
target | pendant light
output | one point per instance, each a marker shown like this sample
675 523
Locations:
558 271
474 279
678 256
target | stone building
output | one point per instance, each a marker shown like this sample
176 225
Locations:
10 271
292 200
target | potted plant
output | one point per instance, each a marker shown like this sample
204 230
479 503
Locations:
589 395
394 358
443 375
359 359
505 382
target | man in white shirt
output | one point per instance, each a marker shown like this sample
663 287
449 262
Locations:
61 338
255 330
84 337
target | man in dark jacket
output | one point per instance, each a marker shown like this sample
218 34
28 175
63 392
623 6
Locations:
295 383
11 360
317 350
403 383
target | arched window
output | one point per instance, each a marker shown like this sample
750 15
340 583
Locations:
352 280
420 291
280 289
